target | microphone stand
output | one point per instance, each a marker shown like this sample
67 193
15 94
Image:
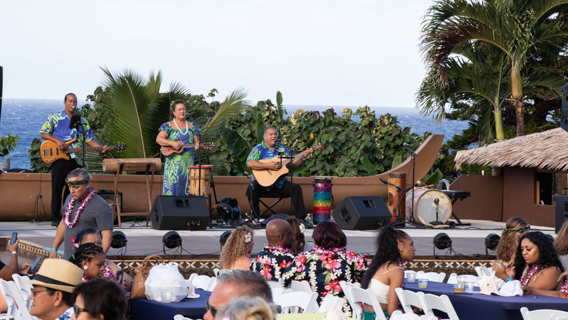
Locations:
413 156
200 137
290 169
79 125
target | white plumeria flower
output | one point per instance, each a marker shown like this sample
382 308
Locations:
248 238
302 228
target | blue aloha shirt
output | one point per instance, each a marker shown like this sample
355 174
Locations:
57 125
272 262
261 152
67 314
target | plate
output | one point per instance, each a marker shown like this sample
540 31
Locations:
195 296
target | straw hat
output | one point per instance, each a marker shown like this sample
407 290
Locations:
58 274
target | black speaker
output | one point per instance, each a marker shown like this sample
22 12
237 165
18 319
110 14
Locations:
561 204
361 213
179 213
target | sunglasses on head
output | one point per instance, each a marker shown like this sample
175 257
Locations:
210 308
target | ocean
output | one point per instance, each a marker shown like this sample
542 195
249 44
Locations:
24 117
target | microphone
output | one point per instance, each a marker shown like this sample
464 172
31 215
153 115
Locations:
383 181
75 120
407 146
278 140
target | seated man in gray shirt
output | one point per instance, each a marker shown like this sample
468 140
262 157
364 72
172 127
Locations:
83 208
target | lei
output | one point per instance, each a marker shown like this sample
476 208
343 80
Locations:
277 248
564 289
529 273
84 203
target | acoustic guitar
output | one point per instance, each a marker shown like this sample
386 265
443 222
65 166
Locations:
267 178
168 151
50 152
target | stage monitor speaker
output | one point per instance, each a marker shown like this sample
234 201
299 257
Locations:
561 204
361 213
179 213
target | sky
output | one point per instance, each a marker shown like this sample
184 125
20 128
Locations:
332 53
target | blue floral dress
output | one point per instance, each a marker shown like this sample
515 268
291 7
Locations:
176 181
324 268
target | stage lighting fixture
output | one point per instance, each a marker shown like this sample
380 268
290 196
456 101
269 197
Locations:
171 240
223 238
442 241
118 240
491 242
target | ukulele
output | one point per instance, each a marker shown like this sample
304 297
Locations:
168 151
267 178
50 152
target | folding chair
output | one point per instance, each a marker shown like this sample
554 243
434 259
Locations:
269 195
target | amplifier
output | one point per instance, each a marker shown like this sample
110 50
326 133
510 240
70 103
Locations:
108 195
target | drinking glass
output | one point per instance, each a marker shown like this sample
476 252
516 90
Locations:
422 283
469 287
458 288
411 277
461 279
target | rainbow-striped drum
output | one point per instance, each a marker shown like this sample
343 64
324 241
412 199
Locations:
322 199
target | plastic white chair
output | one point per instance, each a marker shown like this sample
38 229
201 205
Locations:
408 299
330 301
432 302
25 289
398 315
12 311
193 275
290 301
223 271
541 314
355 308
216 271
10 289
201 282
369 298
557 317
301 286
406 272
181 317
431 276
211 285
274 284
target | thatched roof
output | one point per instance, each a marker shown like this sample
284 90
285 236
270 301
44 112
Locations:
544 150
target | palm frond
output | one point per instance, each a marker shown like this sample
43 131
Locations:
234 104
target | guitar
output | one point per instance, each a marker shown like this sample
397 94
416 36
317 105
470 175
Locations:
168 151
50 152
267 178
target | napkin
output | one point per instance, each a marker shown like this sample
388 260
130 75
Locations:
511 289
190 288
335 314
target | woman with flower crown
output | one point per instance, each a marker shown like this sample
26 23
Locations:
536 263
515 228
386 272
237 249
177 133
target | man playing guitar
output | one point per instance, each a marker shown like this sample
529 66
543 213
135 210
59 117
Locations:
269 149
56 129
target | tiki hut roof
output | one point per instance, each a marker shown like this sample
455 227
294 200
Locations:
544 150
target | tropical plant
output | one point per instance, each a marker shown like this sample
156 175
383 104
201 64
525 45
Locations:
8 144
513 26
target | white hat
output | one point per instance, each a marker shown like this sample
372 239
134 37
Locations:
510 289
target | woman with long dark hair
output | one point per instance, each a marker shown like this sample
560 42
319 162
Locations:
177 133
536 263
298 239
386 272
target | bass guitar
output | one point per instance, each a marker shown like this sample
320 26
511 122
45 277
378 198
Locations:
50 152
168 151
267 178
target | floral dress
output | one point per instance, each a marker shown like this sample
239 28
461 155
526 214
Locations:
324 268
272 262
176 181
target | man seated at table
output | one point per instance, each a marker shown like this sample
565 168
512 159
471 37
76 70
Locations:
52 289
276 256
237 283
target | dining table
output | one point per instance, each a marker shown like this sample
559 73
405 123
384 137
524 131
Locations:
194 308
475 306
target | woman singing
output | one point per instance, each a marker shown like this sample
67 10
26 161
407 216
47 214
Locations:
175 134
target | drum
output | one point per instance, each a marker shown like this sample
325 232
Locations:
199 187
426 203
322 199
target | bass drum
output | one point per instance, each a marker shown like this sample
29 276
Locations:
425 205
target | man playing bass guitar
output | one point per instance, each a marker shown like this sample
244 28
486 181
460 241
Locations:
269 149
56 129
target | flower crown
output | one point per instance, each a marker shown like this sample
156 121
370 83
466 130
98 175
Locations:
248 238
518 229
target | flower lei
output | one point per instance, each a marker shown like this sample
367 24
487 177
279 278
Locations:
564 289
277 248
529 273
84 203
248 238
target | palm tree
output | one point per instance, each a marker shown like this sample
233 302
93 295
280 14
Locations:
512 26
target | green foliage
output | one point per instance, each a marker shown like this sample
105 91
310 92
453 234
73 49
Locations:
7 144
34 155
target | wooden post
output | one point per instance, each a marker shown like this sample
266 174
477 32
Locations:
398 179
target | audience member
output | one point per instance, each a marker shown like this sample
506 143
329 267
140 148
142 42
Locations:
327 263
238 283
110 269
91 259
298 239
536 263
7 270
236 251
83 209
515 228
247 309
386 272
99 299
276 256
52 289
561 245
